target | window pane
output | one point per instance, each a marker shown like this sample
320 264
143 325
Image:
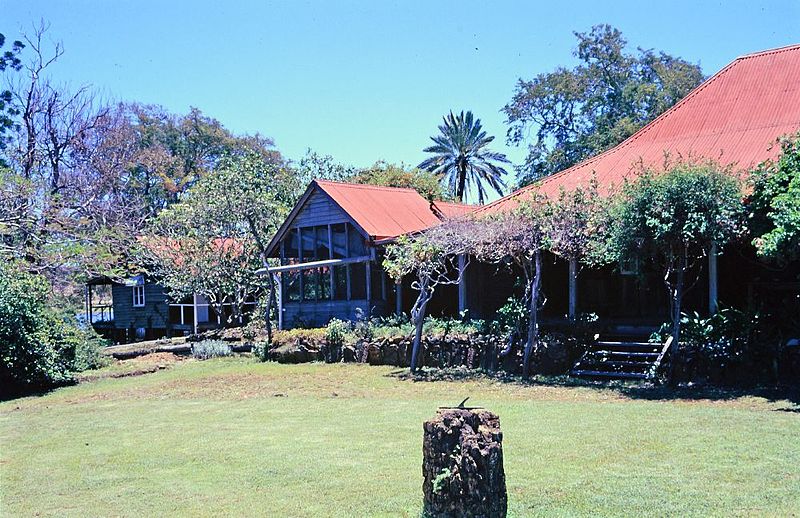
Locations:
356 242
324 283
377 281
339 241
310 284
358 281
290 243
308 243
291 285
322 243
340 282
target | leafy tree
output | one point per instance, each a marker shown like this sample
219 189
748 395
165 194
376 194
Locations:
676 219
214 240
774 205
576 113
519 237
462 158
314 166
432 257
389 175
577 229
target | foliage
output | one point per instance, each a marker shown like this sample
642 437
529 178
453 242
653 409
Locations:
462 158
578 225
337 333
292 336
675 219
38 348
774 205
519 237
207 349
213 241
426 183
579 112
731 346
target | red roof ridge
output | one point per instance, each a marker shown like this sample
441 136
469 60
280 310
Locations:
776 50
644 129
364 185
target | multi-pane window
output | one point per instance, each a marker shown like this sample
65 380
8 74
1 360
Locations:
138 296
338 282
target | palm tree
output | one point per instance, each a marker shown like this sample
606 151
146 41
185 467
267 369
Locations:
462 158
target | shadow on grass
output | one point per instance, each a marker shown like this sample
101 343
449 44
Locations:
643 390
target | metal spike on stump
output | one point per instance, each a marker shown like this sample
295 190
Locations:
462 464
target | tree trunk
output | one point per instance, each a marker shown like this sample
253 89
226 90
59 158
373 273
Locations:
462 183
271 282
677 298
418 317
533 323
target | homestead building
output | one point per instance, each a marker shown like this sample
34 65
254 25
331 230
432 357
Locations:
330 246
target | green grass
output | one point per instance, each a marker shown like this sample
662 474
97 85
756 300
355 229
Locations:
235 437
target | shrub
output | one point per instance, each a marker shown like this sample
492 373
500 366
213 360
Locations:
39 348
337 332
207 349
261 350
731 346
310 337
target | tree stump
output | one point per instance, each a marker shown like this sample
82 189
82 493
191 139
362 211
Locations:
462 465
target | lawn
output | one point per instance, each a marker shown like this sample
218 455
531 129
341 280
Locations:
237 437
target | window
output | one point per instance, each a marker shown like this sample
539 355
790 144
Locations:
138 296
339 240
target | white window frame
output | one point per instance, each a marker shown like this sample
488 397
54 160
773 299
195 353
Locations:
138 296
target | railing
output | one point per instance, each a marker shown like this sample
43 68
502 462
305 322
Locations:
101 313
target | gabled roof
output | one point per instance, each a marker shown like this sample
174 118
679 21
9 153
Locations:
382 213
734 117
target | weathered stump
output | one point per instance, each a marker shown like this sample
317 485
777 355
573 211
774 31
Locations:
462 464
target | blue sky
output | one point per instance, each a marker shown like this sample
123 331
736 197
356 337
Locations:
365 80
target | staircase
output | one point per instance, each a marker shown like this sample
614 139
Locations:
621 357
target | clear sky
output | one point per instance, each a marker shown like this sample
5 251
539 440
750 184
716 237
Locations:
366 80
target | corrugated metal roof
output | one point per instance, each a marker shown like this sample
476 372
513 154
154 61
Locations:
734 117
388 212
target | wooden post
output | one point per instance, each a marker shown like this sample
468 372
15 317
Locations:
573 288
194 306
331 282
279 296
462 284
368 269
713 303
398 297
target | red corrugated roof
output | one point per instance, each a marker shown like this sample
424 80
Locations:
734 117
387 212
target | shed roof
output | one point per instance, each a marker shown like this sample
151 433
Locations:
734 117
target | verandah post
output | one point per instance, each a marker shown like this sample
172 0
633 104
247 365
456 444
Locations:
573 288
713 303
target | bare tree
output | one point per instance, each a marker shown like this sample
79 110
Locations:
432 257
519 238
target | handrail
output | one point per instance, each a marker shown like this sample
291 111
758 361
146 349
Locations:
664 350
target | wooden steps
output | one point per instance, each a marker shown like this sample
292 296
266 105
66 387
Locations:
621 358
